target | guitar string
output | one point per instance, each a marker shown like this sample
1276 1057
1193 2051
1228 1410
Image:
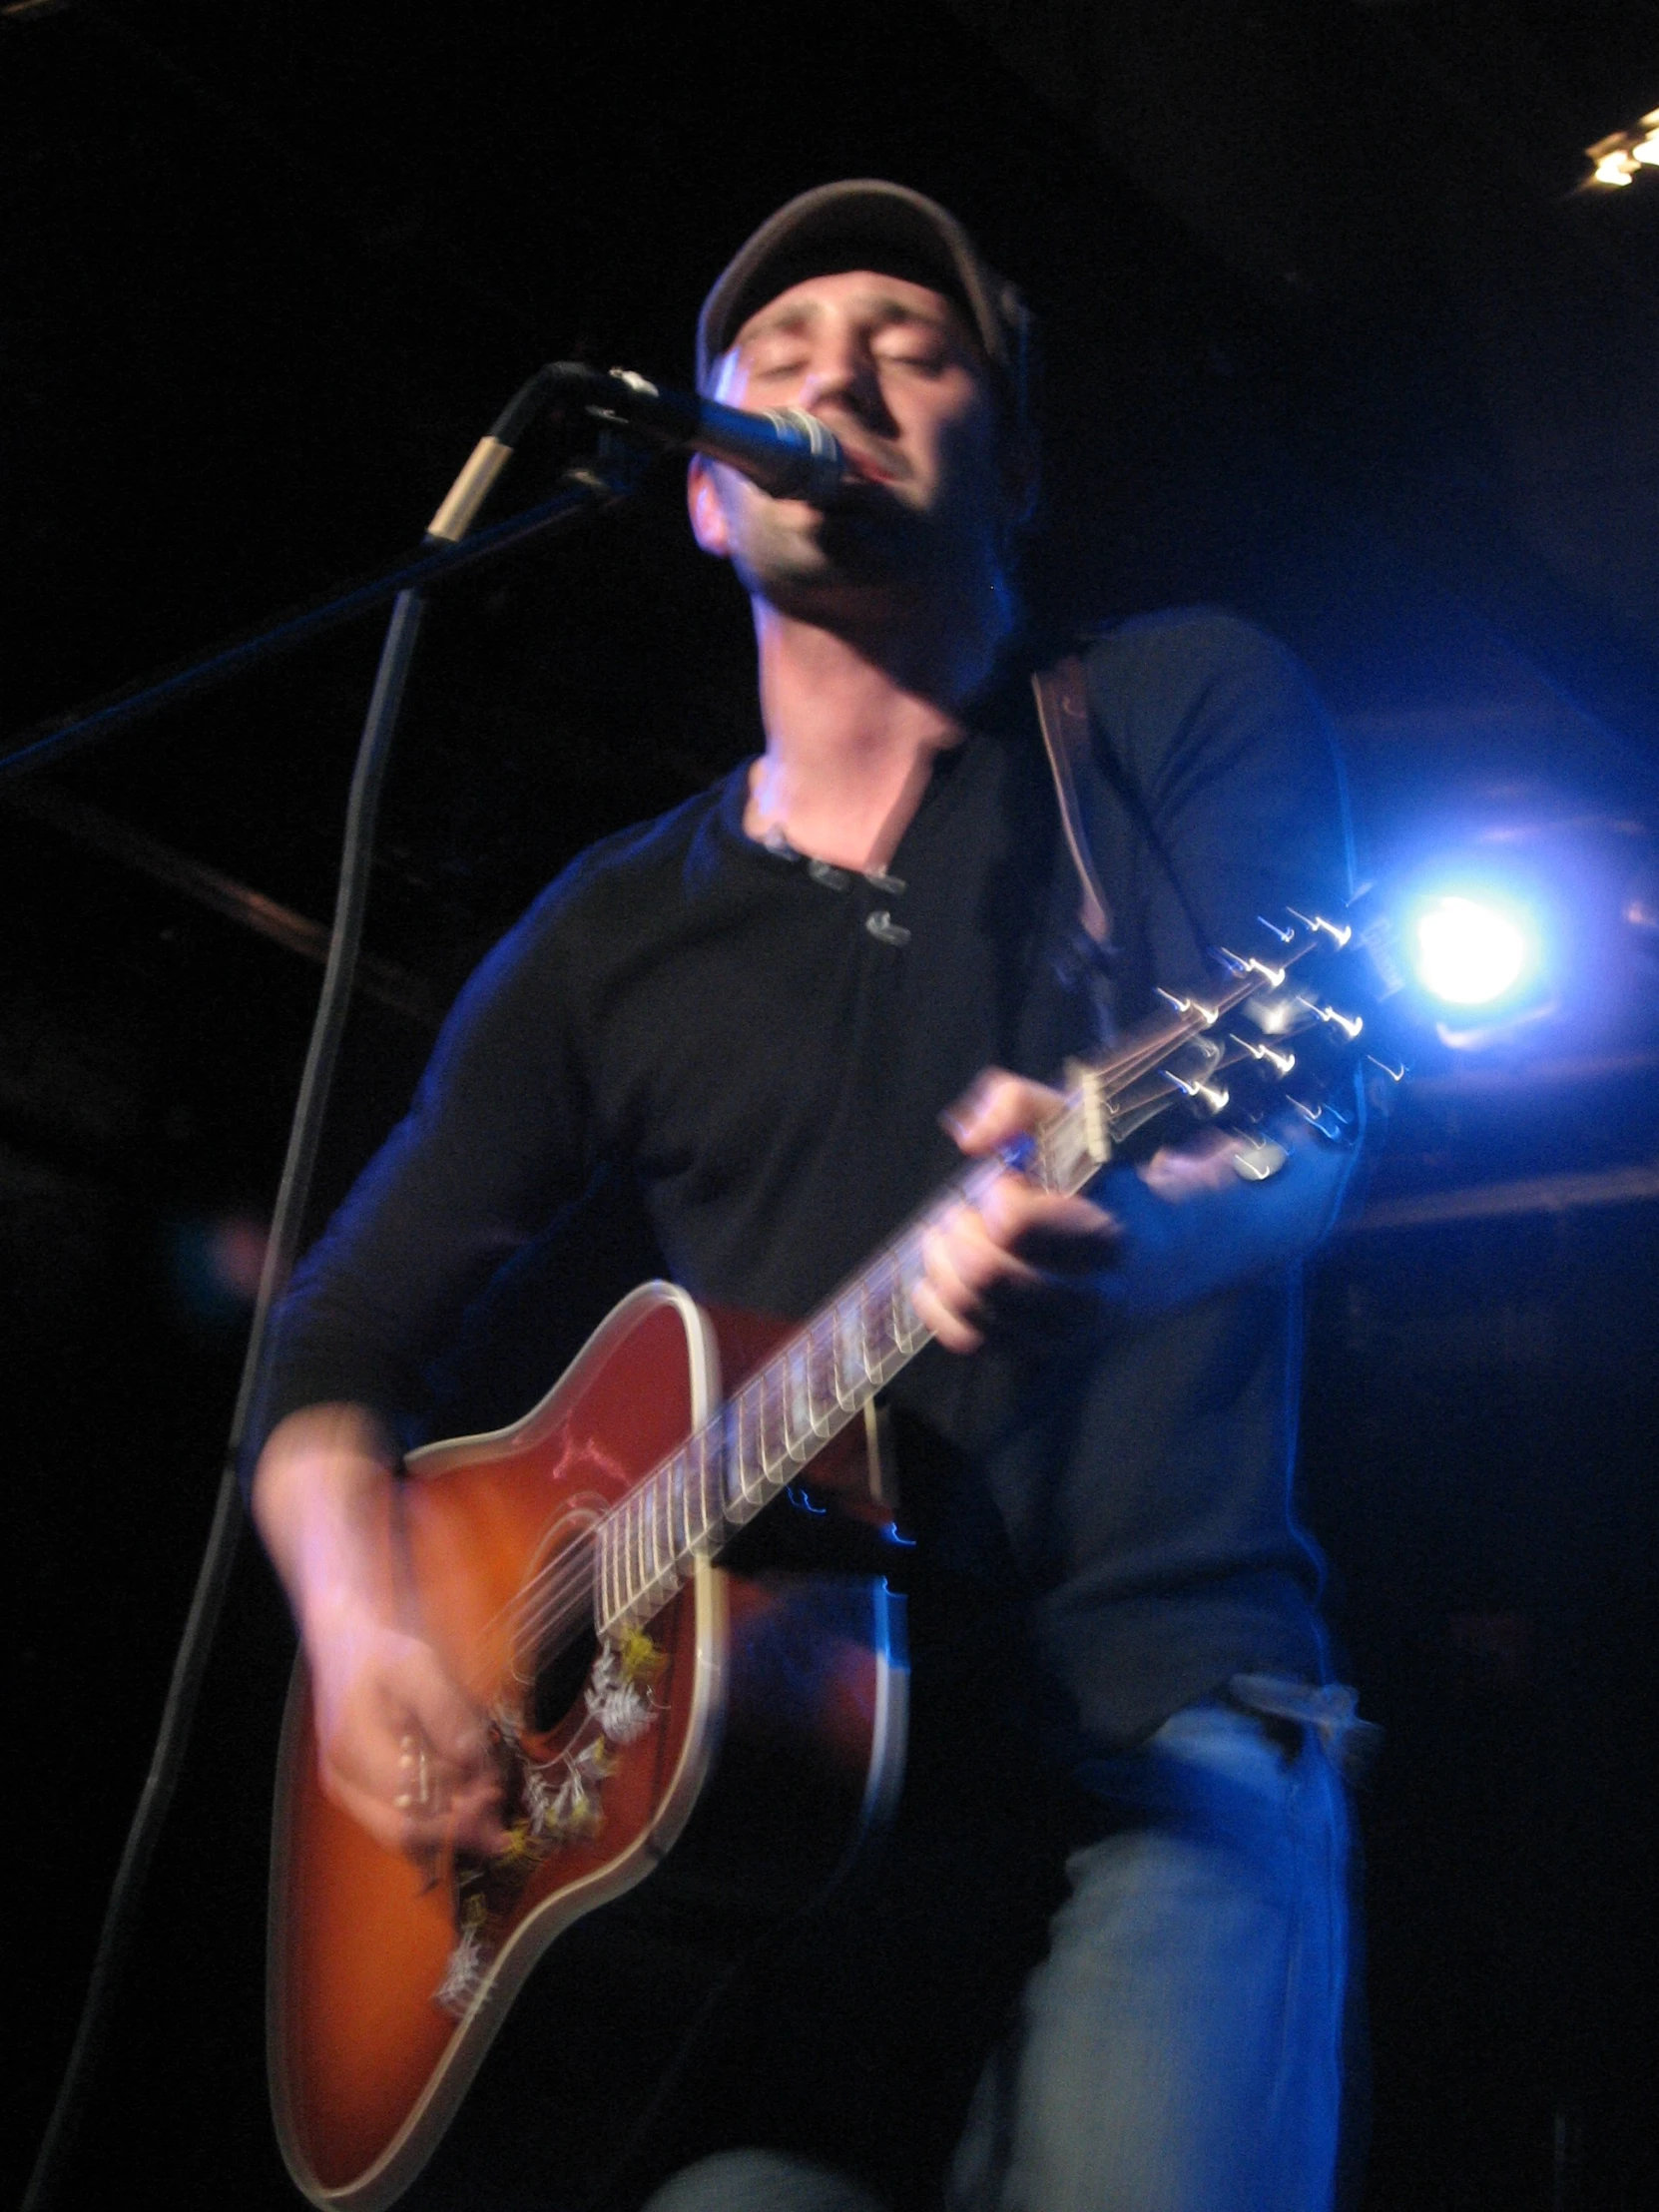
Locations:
553 1601
556 1597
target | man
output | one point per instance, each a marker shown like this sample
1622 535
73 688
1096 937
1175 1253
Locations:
755 1012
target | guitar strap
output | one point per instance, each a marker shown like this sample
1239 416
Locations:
1078 753
1063 713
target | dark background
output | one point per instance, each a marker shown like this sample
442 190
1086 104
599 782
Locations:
1332 340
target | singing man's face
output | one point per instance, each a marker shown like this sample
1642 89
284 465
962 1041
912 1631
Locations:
890 367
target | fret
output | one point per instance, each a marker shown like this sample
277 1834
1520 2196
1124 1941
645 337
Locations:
796 1389
846 1352
695 1454
647 1496
895 1303
710 1475
867 1350
709 1462
730 1477
769 1395
878 1316
911 1332
662 1518
1057 1148
617 1524
1054 1153
819 1359
785 1367
751 1468
826 1370
682 1492
795 1427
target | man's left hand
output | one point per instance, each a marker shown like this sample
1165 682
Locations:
1037 1266
1024 1262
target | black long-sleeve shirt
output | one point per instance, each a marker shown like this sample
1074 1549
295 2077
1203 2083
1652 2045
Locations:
761 1047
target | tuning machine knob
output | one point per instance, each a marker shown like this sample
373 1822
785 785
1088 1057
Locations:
1280 1062
1339 932
1258 1159
1324 1119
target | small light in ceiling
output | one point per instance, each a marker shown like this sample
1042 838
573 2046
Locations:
1618 159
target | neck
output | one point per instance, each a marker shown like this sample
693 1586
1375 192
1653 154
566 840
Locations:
852 729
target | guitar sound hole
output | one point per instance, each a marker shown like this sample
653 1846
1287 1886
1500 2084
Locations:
559 1681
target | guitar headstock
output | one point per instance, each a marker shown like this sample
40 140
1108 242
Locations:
1308 1011
1284 1025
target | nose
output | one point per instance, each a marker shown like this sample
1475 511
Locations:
842 373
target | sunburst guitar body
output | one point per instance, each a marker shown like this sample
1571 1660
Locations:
746 1709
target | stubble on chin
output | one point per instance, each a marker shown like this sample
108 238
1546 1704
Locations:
837 562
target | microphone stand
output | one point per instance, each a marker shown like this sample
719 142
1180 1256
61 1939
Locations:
610 477
584 489
789 453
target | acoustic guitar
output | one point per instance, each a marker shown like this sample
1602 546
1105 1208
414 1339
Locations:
656 1714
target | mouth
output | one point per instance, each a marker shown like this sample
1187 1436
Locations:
871 485
872 468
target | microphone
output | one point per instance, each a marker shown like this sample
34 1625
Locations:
787 451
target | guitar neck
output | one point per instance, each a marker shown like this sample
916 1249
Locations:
824 1374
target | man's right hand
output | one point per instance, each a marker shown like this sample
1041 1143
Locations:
400 1744
401 1747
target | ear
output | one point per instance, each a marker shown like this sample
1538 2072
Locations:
708 514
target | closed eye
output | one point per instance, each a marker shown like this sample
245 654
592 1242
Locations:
926 362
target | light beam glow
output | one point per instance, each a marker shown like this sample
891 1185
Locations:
1470 953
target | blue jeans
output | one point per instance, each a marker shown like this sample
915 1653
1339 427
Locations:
1179 2049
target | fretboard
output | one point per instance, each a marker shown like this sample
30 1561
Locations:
818 1381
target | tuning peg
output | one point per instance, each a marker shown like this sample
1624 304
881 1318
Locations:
1338 931
1350 1024
1209 1098
1324 1119
1281 1062
1258 1159
1285 936
1395 1075
1202 1015
1272 977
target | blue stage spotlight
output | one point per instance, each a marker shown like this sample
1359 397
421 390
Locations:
1471 950
1530 937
